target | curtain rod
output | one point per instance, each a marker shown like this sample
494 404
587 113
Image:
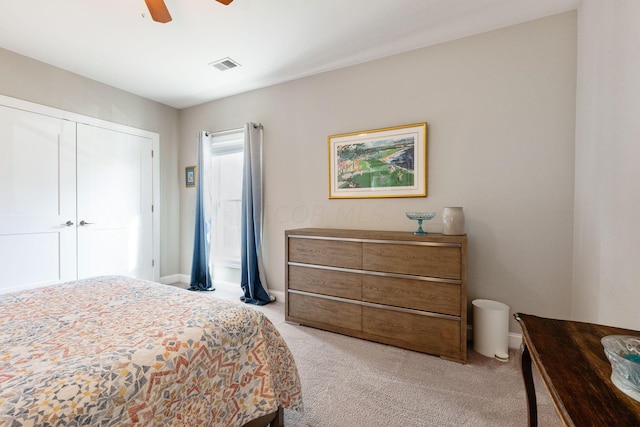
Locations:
225 132
228 131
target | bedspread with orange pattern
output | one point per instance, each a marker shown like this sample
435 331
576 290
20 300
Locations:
113 351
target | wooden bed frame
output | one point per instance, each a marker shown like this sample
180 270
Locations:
274 419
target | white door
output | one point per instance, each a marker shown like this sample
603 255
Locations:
37 199
115 198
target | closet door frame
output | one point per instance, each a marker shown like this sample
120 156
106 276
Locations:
92 121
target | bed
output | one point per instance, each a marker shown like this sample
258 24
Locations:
116 351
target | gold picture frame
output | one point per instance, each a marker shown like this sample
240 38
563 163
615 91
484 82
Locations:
386 162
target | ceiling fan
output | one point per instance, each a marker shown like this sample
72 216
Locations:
160 13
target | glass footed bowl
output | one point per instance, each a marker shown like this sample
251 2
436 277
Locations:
420 215
623 352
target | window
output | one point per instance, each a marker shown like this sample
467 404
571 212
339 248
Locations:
226 186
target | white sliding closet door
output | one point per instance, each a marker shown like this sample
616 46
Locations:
37 198
115 199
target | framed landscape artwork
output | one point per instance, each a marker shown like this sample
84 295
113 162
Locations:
388 162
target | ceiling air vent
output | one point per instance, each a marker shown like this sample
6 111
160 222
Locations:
224 64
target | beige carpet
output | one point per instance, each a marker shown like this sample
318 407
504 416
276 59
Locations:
349 382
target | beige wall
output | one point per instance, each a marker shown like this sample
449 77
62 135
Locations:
607 231
30 80
501 108
501 114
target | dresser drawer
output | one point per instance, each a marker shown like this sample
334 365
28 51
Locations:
414 331
418 260
334 253
326 282
417 294
317 310
391 287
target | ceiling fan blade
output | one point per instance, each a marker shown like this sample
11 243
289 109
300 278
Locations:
158 10
225 2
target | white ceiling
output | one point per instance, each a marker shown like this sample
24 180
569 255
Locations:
116 42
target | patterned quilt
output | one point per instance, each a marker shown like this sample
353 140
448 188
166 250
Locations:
113 351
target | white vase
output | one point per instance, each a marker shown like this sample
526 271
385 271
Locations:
453 221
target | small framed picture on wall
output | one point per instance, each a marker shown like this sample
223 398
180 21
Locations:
190 176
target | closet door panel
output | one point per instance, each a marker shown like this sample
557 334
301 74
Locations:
115 224
37 198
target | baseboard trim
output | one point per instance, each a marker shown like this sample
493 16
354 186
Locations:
229 285
185 278
175 278
278 294
515 339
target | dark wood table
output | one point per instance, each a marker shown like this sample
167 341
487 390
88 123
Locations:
576 372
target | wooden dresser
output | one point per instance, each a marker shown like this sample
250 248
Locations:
385 286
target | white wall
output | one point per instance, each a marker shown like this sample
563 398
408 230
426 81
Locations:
501 114
34 81
606 286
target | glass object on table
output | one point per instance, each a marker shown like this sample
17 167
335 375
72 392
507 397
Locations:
623 351
420 216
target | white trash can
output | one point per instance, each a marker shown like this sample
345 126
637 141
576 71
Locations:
491 328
